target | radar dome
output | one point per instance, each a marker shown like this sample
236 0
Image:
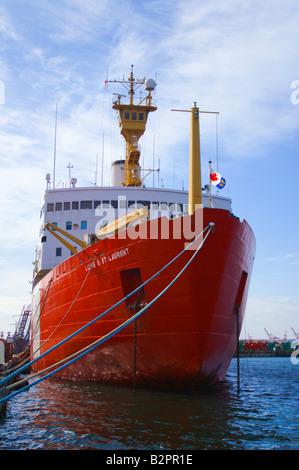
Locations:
150 84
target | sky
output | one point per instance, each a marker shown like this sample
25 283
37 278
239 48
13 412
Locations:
238 58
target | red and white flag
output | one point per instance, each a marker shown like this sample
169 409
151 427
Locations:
216 179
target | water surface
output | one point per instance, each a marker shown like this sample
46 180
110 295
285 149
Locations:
61 415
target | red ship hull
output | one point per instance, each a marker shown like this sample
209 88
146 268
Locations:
186 339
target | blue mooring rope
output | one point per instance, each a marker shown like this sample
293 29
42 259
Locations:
112 333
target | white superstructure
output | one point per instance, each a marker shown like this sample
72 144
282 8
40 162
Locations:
80 211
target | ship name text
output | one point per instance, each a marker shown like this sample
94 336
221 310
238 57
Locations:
106 259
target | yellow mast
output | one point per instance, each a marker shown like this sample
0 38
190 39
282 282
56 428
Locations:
195 196
132 122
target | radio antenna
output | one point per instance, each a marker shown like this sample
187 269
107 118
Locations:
54 169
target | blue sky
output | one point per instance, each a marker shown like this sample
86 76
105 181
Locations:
239 58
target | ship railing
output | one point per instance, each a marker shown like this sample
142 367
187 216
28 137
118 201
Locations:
124 100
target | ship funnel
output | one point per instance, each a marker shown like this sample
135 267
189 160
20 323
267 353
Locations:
117 172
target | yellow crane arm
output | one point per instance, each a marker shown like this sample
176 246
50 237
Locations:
53 228
120 224
112 228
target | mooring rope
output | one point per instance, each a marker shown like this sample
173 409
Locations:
26 361
210 226
104 313
79 354
27 358
68 311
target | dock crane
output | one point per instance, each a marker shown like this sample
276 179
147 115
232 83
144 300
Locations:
296 334
270 335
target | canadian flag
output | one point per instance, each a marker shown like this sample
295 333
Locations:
216 179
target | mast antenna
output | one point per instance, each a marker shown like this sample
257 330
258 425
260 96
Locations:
54 169
70 167
96 175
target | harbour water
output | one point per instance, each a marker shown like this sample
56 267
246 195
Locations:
60 415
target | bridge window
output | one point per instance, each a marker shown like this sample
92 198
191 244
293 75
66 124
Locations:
86 205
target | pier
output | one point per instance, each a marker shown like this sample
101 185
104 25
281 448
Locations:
264 348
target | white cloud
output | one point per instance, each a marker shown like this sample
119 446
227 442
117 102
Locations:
240 62
291 258
15 290
20 206
7 28
73 20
